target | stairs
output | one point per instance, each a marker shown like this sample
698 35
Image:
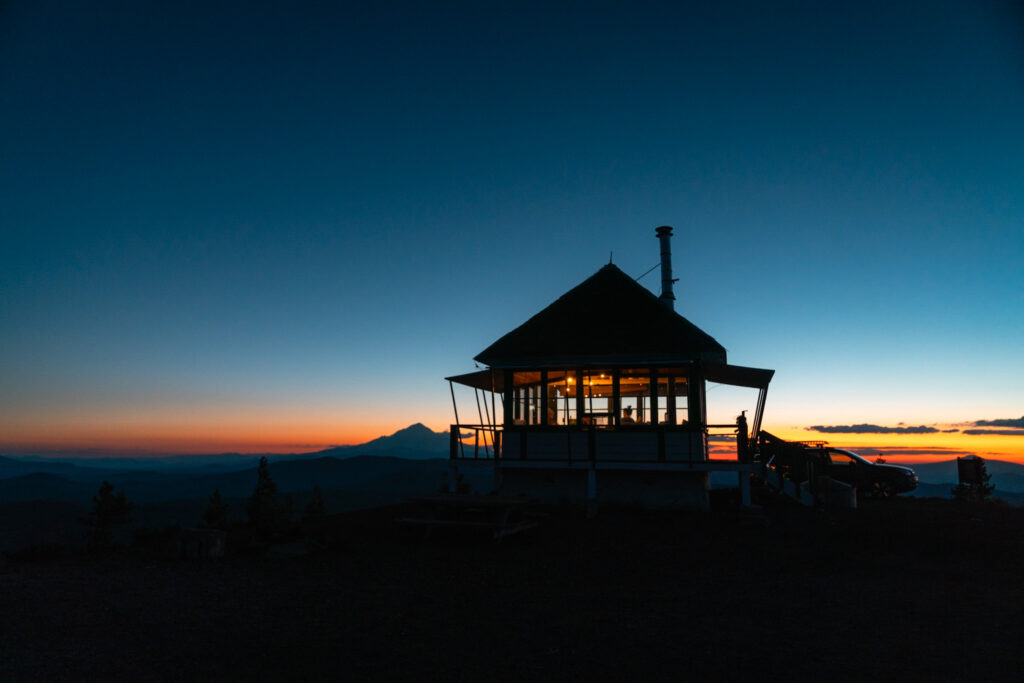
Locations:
797 491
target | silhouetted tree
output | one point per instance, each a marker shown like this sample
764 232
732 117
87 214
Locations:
266 515
315 508
217 512
978 490
108 510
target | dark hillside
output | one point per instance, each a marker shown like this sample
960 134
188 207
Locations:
42 486
147 487
43 509
898 590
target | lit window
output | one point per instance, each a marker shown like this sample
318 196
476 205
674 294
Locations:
635 397
561 391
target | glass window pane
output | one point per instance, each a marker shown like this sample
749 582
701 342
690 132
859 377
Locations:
635 396
663 416
682 400
561 390
674 404
526 397
597 398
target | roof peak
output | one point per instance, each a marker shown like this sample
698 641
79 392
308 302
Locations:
607 317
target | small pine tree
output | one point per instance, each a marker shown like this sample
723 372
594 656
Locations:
975 491
217 513
265 513
315 508
108 510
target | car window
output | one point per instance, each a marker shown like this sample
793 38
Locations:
840 458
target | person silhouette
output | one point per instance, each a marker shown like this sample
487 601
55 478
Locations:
742 438
627 415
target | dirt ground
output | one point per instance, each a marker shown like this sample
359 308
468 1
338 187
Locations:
898 590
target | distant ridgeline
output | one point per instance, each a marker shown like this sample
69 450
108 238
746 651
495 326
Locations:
413 453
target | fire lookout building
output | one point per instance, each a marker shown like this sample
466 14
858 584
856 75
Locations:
601 397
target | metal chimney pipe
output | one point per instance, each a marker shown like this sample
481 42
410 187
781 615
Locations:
664 234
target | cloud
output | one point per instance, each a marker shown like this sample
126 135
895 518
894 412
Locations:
950 431
898 451
911 455
871 429
1011 423
999 432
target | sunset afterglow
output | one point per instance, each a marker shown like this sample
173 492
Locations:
287 244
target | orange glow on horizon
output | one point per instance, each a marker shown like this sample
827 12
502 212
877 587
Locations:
207 428
917 447
189 439
311 430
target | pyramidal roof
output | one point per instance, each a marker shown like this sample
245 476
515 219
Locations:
609 318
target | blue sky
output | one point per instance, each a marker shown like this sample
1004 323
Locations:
235 223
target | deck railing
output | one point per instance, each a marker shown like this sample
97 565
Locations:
486 441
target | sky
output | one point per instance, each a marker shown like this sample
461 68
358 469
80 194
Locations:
277 227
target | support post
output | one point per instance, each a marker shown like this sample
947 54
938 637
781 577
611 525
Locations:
508 393
580 406
744 489
480 416
543 388
489 430
654 396
457 429
759 412
616 399
670 401
494 418
591 503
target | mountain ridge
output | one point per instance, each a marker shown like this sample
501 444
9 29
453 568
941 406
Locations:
415 442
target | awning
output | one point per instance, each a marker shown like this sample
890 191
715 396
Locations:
737 375
488 380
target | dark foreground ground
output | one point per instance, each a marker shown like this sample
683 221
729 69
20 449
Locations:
899 590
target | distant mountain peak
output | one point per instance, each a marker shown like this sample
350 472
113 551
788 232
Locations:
418 428
416 441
